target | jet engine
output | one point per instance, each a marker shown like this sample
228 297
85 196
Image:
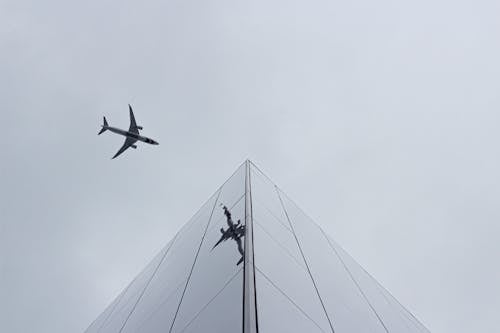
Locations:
134 146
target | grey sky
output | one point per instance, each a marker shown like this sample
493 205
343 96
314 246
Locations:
380 119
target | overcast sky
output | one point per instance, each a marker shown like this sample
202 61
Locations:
380 119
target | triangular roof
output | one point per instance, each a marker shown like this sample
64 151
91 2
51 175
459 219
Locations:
250 260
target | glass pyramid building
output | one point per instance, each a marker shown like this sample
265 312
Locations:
251 261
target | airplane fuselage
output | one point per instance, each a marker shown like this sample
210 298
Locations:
132 135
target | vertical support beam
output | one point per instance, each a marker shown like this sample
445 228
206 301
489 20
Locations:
249 299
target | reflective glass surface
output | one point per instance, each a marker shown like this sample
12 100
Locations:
220 314
163 292
345 304
269 217
394 315
278 312
219 258
304 281
278 259
150 301
264 197
103 317
129 297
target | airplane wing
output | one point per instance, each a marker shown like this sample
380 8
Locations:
133 125
225 236
240 261
240 246
128 143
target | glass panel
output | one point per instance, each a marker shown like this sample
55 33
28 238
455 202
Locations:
278 313
162 295
346 307
220 314
277 232
270 220
130 296
138 298
196 285
220 256
160 318
395 316
264 197
289 276
234 187
103 317
262 213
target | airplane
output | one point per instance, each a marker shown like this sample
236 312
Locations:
132 135
234 231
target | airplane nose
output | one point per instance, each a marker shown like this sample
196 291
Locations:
151 141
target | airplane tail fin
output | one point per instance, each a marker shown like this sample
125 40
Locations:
104 127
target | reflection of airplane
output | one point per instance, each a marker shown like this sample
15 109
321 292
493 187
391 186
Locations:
234 231
132 135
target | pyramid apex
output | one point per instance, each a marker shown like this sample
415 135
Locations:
251 254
